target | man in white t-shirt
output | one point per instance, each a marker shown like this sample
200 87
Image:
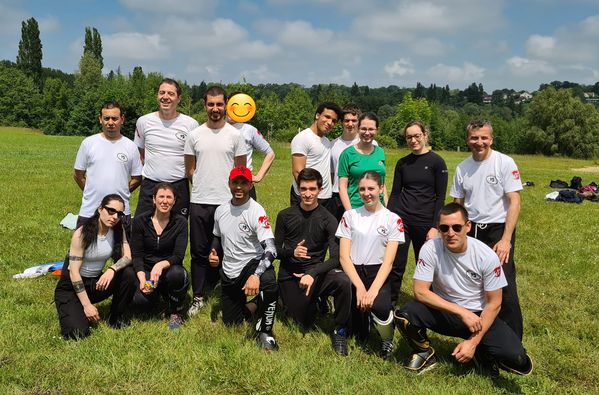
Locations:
211 151
160 137
347 139
106 163
311 148
458 284
244 238
254 140
488 185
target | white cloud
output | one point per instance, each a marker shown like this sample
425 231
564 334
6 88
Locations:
10 20
529 67
343 78
134 46
49 24
260 74
427 47
184 7
302 34
399 68
467 73
540 46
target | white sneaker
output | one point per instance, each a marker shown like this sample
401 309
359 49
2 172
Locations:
196 305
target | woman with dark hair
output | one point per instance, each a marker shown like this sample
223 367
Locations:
368 240
357 159
158 244
82 282
419 187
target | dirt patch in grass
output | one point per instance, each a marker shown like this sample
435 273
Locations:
588 169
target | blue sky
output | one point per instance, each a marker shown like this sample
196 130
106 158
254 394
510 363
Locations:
501 44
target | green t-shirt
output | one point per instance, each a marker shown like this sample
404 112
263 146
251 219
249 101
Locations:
352 164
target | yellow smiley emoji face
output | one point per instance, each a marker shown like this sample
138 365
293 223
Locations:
241 108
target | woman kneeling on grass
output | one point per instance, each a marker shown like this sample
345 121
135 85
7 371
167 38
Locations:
369 236
82 282
158 244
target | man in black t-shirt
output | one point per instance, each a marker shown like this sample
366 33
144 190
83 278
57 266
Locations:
302 235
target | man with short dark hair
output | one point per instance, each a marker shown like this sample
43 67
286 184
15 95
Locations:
106 163
211 151
160 137
488 185
458 285
311 148
303 234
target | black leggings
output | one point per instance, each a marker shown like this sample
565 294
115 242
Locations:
201 226
302 308
73 322
382 303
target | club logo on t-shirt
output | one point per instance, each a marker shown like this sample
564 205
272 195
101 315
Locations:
382 230
344 222
421 262
473 275
244 227
400 225
181 135
516 174
492 180
263 220
122 157
497 271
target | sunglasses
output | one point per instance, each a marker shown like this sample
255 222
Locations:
113 211
456 228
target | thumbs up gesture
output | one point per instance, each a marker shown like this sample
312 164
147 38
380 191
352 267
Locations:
213 258
301 251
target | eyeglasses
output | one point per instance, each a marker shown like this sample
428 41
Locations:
456 228
371 130
416 137
113 211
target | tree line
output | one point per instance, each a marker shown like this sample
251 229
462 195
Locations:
555 121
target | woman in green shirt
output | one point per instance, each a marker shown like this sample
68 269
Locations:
359 158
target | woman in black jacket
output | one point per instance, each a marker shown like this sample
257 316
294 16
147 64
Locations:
158 244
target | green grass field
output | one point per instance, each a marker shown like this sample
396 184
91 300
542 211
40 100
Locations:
557 257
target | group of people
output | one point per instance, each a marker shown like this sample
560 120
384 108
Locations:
343 235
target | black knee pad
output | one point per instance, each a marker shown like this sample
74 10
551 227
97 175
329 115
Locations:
416 337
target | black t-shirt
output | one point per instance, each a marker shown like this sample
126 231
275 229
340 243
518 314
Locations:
419 188
317 228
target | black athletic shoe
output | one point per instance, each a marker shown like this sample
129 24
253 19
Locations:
486 365
118 322
421 362
267 341
386 349
339 339
322 305
525 370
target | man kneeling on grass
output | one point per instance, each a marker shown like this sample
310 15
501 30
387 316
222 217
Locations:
244 240
467 280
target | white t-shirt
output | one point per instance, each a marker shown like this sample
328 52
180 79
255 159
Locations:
107 165
241 229
337 147
317 151
215 151
483 185
369 233
460 278
163 141
95 257
253 139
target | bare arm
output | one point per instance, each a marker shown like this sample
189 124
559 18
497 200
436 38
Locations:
458 200
381 276
190 166
298 163
76 252
134 182
79 177
266 163
385 196
343 194
240 160
142 155
502 248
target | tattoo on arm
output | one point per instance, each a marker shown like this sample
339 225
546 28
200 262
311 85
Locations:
75 258
121 263
270 253
78 286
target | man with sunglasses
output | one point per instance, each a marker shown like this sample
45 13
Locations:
488 185
106 163
458 285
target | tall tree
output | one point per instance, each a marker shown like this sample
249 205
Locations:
93 44
29 58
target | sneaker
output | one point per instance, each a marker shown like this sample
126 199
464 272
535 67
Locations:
118 322
267 341
386 349
196 305
322 305
524 371
486 365
421 362
339 339
175 322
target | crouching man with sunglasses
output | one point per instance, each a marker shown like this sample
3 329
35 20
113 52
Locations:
458 285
